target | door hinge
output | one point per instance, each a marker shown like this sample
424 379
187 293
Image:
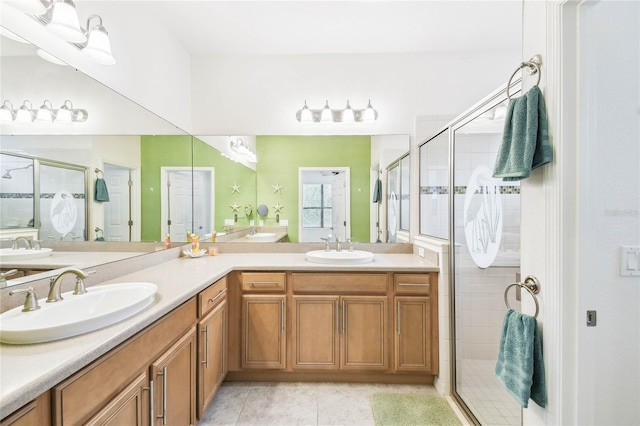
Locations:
130 183
130 223
591 318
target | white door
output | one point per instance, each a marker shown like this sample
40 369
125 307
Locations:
176 206
338 209
313 224
117 211
203 200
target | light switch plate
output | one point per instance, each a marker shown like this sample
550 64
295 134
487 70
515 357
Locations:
228 222
284 222
629 261
421 251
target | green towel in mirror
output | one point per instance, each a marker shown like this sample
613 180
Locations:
525 140
101 192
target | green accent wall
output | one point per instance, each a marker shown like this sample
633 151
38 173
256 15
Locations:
155 152
279 158
227 174
176 151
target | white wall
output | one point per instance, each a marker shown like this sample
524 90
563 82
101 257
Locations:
261 94
590 208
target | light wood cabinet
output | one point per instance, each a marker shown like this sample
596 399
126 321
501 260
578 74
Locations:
346 330
128 408
315 332
110 384
263 331
415 323
364 333
174 376
212 354
412 330
36 412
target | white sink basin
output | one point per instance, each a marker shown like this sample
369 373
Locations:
99 307
8 255
261 235
340 257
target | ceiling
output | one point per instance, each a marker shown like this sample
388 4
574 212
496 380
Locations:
338 27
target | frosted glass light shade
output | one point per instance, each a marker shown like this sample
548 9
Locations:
24 114
64 22
369 114
348 117
6 111
326 116
44 115
64 114
99 47
49 57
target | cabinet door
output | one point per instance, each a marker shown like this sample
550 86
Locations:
36 412
128 407
364 333
174 376
315 331
263 332
412 329
212 354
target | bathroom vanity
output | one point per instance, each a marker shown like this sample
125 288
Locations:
269 317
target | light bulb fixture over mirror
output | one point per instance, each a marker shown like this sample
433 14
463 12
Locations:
45 114
328 115
60 18
243 150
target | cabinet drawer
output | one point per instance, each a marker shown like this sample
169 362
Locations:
263 281
211 296
412 283
340 283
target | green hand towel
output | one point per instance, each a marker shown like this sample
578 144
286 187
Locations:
520 366
525 140
101 193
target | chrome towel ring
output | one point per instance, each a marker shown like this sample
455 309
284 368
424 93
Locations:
533 67
532 285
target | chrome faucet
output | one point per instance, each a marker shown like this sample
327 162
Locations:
14 242
350 244
338 245
55 293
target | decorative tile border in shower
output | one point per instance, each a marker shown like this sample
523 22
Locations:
76 196
16 195
461 190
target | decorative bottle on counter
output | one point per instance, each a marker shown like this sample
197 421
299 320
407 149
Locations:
167 242
195 243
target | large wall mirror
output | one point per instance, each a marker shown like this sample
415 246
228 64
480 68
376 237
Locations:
160 179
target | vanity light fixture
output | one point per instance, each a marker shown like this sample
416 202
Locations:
60 18
46 114
329 115
243 149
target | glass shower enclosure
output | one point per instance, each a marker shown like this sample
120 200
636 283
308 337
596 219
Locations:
483 227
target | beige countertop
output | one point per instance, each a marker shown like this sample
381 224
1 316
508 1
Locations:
28 370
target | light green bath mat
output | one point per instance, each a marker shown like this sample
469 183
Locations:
411 410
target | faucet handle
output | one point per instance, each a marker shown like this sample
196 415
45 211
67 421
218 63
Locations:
80 287
4 275
326 240
31 302
36 244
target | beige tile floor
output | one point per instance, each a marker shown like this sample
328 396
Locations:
267 403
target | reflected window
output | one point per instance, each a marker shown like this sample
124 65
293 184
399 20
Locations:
316 206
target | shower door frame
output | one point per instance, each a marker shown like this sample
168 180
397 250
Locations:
489 102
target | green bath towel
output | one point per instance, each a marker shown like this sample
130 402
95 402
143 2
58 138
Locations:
101 193
525 140
520 366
